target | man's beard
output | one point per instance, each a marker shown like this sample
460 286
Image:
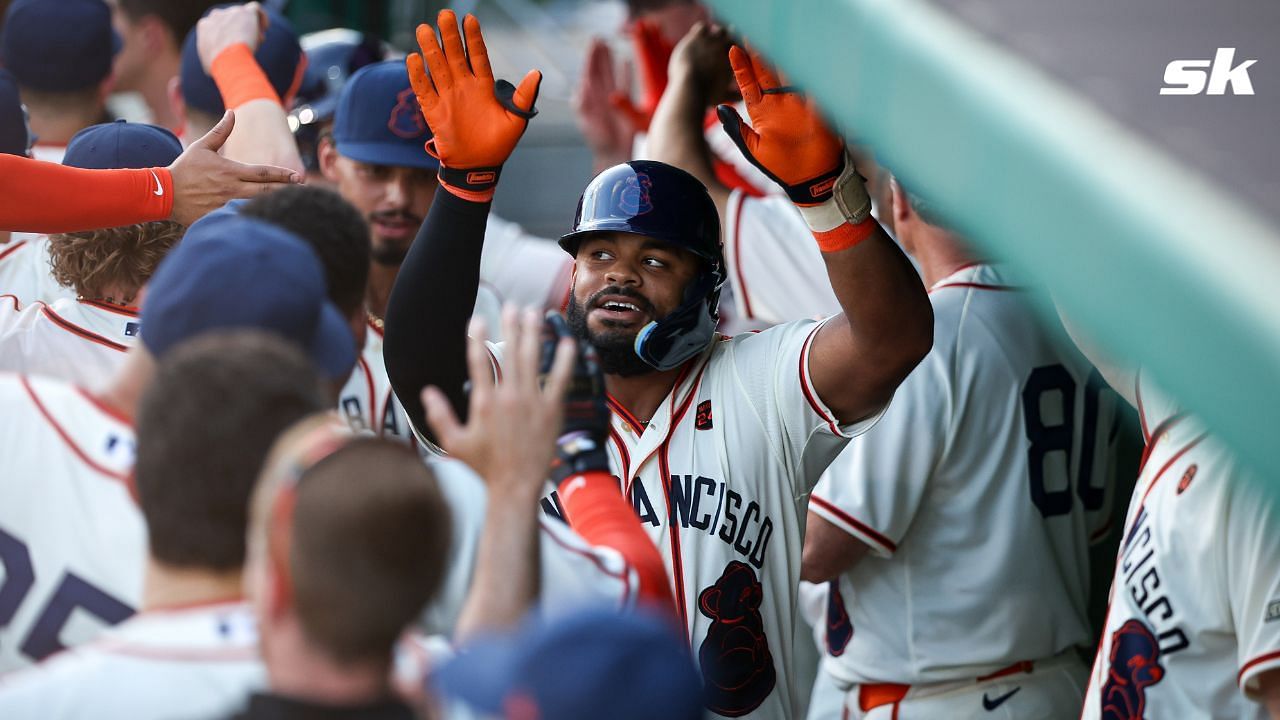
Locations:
388 254
616 349
391 253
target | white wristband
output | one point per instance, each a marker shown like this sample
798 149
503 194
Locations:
849 203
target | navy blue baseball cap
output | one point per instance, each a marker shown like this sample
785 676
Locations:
378 120
588 665
232 271
120 144
15 134
279 55
58 45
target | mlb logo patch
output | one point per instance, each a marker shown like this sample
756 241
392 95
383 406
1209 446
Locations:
703 418
131 329
1273 611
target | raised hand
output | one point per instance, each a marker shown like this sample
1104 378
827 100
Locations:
476 122
602 106
224 27
204 181
787 138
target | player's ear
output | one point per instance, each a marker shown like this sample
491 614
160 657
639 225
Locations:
327 153
176 104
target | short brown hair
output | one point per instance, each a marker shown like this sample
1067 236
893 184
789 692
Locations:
369 547
123 257
205 424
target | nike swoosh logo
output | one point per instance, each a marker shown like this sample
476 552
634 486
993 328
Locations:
159 188
988 704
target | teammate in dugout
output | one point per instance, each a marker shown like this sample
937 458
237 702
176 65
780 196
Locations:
975 500
716 440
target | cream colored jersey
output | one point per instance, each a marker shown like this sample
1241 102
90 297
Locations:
977 494
25 272
367 403
189 663
776 271
719 478
80 341
523 269
573 573
72 540
1194 617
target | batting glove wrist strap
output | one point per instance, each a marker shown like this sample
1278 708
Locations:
474 184
847 201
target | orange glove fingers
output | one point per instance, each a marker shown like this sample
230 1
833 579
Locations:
451 41
421 83
434 58
476 49
527 90
745 74
766 76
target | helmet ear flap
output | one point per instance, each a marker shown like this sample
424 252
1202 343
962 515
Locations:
667 343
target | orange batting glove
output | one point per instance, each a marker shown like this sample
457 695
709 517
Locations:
790 143
475 122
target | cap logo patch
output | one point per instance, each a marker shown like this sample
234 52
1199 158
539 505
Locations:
406 117
633 195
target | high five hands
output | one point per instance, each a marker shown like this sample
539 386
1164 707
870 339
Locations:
476 122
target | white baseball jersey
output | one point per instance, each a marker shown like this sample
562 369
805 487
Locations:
25 272
573 573
367 403
190 663
976 495
48 152
72 540
776 271
719 479
523 269
1195 601
80 341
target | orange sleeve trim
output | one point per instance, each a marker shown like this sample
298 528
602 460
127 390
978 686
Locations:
595 508
845 236
239 77
43 197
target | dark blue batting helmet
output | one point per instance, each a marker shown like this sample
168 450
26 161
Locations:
653 199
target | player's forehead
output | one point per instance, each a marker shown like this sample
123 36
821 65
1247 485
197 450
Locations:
631 243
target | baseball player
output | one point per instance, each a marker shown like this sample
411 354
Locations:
72 538
338 570
716 441
204 428
83 338
955 538
1191 627
60 52
374 158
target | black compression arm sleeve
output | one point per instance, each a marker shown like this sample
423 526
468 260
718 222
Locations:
425 340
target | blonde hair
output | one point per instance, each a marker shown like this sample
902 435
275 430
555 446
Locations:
122 258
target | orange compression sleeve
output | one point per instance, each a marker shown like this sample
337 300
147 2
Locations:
239 77
43 197
595 508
